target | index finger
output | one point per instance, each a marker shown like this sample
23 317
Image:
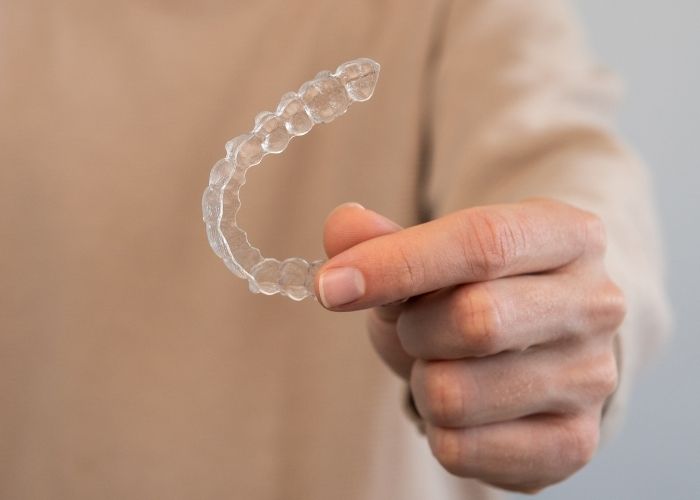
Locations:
471 245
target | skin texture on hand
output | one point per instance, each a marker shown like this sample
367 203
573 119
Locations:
502 320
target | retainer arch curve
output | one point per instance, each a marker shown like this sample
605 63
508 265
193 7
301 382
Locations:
320 100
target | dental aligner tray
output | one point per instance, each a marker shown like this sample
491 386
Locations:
320 100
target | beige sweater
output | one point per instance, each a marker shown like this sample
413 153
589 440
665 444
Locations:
133 365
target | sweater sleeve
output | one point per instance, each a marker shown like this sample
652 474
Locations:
518 109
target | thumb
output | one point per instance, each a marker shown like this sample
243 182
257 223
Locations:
346 226
350 224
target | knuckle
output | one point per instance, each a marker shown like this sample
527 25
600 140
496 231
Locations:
612 307
604 309
606 376
443 402
494 240
480 320
591 381
580 442
410 273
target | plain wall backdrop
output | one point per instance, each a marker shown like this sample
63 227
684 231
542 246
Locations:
655 47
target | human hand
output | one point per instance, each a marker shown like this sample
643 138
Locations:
502 319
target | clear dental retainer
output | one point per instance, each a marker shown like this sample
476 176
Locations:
320 100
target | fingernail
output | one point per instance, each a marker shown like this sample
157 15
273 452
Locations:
352 204
343 206
340 286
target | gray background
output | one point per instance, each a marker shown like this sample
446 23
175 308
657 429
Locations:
655 47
